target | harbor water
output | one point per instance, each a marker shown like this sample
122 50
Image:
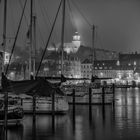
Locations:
105 123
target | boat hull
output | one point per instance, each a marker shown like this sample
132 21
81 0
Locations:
14 116
44 106
96 99
11 122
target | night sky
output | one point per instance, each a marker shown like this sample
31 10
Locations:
117 22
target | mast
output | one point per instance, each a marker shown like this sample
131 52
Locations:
93 48
32 40
4 34
30 36
3 59
62 37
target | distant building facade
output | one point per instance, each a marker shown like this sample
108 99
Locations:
52 66
105 68
68 47
131 62
86 68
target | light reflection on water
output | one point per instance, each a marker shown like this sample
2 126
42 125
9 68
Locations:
106 123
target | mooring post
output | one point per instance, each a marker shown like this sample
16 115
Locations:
73 101
5 109
21 102
113 91
34 105
73 95
5 114
34 127
103 95
90 103
5 134
53 112
103 103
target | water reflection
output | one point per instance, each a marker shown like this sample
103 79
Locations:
104 122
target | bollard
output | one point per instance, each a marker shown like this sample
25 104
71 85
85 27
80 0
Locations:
90 104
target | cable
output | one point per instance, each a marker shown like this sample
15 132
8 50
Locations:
81 13
41 35
16 37
26 21
44 14
45 11
71 14
49 38
11 17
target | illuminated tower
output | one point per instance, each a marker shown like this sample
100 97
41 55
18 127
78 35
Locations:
76 41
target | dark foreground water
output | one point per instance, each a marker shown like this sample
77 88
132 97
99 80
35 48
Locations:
120 123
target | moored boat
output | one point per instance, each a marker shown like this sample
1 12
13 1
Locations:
15 112
44 104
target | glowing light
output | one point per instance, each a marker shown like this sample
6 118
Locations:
135 63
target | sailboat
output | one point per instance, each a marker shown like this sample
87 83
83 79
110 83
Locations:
11 112
39 90
15 112
42 90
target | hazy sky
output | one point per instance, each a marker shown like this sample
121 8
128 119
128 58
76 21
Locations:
117 22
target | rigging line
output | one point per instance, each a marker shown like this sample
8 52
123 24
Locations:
41 10
45 8
8 37
16 37
45 23
12 17
49 36
26 21
71 15
45 11
41 35
81 13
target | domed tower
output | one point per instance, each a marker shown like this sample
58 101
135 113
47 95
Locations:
76 41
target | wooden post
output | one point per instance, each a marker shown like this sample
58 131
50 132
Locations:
21 102
34 105
5 109
103 103
53 103
103 95
113 90
5 134
73 101
90 104
53 112
34 127
73 109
